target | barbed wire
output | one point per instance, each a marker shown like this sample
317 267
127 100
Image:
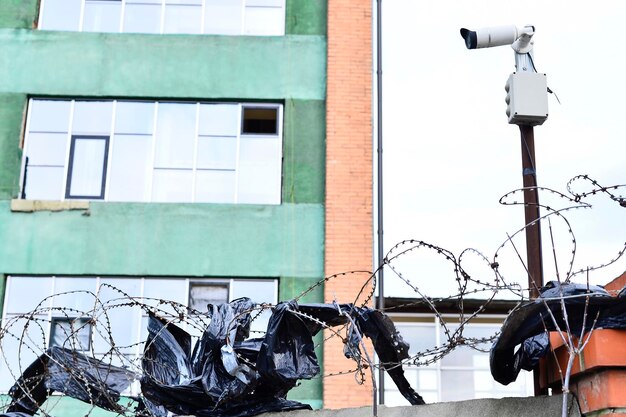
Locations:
92 331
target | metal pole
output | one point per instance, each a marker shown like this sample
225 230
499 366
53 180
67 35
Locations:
379 118
531 212
533 231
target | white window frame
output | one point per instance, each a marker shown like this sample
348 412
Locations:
245 5
277 198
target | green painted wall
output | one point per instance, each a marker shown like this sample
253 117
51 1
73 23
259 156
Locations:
309 392
12 108
285 241
178 66
18 13
304 151
166 239
306 17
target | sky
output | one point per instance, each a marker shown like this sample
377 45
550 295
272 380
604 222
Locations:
450 154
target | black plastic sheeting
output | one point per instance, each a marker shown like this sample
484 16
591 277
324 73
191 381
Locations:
71 373
225 374
526 325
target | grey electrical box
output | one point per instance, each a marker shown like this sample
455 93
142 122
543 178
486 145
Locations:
527 98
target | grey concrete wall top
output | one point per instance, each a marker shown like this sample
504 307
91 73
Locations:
530 406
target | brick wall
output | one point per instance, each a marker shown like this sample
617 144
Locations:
349 240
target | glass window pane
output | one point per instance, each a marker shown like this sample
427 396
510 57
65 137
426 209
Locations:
265 3
188 2
156 289
44 183
19 356
49 116
88 168
176 129
427 379
130 168
215 186
134 117
70 333
393 398
265 21
47 148
24 293
223 17
217 152
92 117
457 385
219 120
202 294
182 19
172 185
142 18
483 381
419 337
259 171
102 15
464 355
60 15
77 297
115 288
258 290
124 319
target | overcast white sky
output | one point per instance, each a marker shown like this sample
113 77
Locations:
450 153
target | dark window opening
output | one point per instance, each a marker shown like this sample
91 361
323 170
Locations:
260 120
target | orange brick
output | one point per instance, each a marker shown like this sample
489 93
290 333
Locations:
601 390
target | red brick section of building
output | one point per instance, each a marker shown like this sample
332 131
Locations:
349 239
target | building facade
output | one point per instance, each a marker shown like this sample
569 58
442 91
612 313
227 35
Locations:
192 150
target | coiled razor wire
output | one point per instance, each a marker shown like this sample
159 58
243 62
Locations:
24 337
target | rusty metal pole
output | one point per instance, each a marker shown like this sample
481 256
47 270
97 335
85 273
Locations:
531 211
533 231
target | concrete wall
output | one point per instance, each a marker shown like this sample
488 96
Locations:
285 241
505 407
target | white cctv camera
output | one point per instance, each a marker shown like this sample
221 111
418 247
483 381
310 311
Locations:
518 37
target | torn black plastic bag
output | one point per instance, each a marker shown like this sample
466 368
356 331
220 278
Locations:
388 343
200 384
287 352
390 348
183 383
525 325
73 374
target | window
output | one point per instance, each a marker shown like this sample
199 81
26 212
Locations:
217 17
202 294
260 120
153 151
70 332
64 307
461 375
87 167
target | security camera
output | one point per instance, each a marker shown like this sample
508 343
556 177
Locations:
518 37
